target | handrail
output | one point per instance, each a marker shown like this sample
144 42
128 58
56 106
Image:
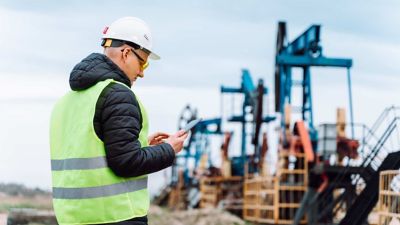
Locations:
371 156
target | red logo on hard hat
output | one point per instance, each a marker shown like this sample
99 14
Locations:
105 30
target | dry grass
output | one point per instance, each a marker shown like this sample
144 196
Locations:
19 201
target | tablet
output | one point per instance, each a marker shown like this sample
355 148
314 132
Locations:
191 124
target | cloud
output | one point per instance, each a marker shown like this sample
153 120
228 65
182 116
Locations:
210 42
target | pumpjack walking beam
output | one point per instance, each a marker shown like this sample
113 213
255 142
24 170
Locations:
304 52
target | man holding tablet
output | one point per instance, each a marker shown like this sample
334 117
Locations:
101 153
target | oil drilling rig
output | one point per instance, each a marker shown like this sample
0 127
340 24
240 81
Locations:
196 180
326 174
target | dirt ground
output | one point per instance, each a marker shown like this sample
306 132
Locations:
161 216
157 215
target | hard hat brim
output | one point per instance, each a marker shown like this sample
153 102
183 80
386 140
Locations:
116 43
154 56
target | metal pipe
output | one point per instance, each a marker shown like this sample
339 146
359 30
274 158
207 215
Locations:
350 102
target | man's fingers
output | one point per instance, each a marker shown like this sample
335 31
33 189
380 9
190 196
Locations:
161 137
157 134
180 133
161 140
183 137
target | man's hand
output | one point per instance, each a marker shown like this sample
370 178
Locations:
176 140
157 138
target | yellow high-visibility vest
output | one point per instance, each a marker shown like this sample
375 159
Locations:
85 189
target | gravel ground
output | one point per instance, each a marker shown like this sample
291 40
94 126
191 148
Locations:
161 216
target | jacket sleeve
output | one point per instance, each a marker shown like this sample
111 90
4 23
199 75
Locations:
120 125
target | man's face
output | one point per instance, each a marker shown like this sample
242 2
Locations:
134 61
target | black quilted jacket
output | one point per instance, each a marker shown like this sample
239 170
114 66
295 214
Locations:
118 122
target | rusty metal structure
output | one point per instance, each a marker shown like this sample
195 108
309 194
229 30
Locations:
389 197
324 175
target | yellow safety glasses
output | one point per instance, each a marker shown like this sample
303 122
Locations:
143 64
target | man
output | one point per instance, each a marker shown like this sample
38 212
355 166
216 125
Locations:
100 152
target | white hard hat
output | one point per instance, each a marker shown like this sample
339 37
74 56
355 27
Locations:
131 29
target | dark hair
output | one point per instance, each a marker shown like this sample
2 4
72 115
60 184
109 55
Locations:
119 43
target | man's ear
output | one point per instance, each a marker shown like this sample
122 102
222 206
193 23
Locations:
125 53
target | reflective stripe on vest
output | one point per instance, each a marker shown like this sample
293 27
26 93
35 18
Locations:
85 189
102 191
78 163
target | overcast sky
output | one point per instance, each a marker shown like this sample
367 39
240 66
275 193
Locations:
203 44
